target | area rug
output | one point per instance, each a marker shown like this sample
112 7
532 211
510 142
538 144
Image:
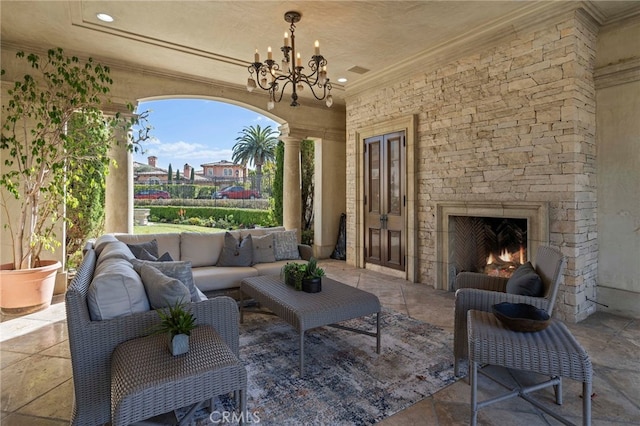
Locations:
346 382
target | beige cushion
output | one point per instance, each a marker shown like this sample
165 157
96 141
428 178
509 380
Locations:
209 278
116 290
166 242
253 232
263 249
201 249
274 229
162 290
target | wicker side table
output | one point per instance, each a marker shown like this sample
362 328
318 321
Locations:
146 380
553 352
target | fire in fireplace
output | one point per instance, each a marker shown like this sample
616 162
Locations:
495 246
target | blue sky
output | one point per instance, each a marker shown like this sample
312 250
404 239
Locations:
195 131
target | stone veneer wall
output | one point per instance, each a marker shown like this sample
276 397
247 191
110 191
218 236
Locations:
513 122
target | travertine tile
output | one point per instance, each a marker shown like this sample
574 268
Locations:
30 378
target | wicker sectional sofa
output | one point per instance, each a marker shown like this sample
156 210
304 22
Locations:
203 250
92 340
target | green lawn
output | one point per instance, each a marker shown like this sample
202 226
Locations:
164 228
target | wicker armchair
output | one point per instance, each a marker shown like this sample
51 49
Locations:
480 292
93 342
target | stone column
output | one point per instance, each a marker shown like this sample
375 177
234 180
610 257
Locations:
119 187
291 191
329 200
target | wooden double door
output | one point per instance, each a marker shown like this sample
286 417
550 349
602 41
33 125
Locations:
385 200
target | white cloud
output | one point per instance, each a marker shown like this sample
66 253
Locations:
179 153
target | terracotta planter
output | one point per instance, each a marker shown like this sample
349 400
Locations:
27 290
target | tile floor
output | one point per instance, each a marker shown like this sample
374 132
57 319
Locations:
36 386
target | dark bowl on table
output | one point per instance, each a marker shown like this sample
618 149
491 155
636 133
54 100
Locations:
521 316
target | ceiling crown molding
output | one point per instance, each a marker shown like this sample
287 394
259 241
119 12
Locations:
481 38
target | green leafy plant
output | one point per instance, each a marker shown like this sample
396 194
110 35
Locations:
175 320
40 156
294 273
312 269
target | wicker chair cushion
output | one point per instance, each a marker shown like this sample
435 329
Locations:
147 250
115 250
263 249
162 290
236 253
174 269
116 290
102 242
525 281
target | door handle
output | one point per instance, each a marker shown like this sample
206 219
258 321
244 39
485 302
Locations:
383 221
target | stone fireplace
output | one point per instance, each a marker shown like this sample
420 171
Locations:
472 232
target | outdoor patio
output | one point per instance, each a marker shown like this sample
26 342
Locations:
37 387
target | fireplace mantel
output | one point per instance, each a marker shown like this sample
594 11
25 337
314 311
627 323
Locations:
537 215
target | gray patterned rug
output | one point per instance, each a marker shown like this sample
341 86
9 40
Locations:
346 382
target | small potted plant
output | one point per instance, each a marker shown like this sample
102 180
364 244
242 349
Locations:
293 273
177 322
312 279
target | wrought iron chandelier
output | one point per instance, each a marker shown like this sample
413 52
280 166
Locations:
274 78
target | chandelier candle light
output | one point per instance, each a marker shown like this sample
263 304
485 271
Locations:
272 77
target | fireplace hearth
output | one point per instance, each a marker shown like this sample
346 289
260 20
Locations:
494 246
487 237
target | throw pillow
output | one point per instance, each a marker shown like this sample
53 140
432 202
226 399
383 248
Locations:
525 281
263 251
236 253
285 245
174 269
166 257
143 250
162 290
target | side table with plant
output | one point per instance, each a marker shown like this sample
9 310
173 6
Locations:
177 322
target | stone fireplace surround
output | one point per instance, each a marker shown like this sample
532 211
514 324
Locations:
536 214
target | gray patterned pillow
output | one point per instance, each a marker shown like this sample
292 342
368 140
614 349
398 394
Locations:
236 253
286 245
263 249
162 290
174 269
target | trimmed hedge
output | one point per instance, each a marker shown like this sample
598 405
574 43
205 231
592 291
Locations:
246 217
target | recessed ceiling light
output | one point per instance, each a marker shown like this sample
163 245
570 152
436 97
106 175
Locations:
342 80
104 17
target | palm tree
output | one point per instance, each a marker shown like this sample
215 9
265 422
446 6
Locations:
256 146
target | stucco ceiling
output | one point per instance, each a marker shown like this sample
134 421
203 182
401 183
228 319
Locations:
216 39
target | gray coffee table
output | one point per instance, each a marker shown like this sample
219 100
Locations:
335 303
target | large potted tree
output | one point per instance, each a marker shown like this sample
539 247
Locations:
40 155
